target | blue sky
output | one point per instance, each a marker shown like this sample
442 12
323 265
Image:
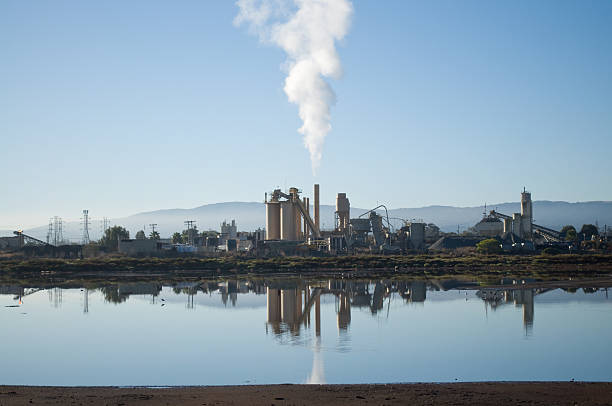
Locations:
121 107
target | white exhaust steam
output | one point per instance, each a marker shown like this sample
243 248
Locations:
307 31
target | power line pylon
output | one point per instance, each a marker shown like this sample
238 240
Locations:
85 227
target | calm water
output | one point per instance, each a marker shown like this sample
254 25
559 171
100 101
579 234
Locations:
296 331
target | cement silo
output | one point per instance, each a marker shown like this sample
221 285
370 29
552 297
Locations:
343 211
417 235
273 223
289 220
507 225
288 230
526 215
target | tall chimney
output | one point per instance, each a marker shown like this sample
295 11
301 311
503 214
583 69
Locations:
316 206
305 199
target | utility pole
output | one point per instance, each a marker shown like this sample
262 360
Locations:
153 225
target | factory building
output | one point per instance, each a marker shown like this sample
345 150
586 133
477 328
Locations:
489 226
229 231
290 230
416 236
11 243
519 224
288 216
135 247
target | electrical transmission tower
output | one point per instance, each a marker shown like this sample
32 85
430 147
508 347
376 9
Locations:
190 230
104 225
85 227
50 232
54 233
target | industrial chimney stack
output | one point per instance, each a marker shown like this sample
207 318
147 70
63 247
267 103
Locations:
316 206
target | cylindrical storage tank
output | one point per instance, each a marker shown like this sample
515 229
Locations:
287 224
274 305
417 235
290 306
507 225
298 222
517 225
273 222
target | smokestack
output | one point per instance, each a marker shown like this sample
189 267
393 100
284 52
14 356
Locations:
306 206
316 206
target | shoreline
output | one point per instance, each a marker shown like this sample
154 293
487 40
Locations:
463 393
423 265
457 283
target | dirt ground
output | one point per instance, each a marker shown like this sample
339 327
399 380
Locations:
487 393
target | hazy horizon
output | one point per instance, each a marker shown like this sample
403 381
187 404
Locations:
99 217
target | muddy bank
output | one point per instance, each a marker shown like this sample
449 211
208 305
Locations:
488 393
569 265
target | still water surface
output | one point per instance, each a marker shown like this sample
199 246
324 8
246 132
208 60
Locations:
296 331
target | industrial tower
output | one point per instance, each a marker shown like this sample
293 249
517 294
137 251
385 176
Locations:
85 227
54 234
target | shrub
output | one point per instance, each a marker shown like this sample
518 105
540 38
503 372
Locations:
489 246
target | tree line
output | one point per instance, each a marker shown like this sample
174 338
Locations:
569 232
113 234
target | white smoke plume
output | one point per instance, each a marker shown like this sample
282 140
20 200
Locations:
307 30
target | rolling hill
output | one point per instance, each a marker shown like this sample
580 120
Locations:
251 215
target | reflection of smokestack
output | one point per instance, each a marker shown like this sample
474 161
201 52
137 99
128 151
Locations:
317 375
316 206
344 312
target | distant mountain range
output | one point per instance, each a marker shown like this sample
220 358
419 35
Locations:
251 215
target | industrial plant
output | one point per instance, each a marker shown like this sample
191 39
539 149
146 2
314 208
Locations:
290 228
293 227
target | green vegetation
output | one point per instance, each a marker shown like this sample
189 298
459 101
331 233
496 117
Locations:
111 236
568 233
177 238
489 246
154 235
360 265
588 231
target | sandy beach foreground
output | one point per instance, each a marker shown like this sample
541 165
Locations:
487 393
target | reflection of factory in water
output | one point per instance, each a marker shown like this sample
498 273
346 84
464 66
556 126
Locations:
518 296
293 305
289 306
